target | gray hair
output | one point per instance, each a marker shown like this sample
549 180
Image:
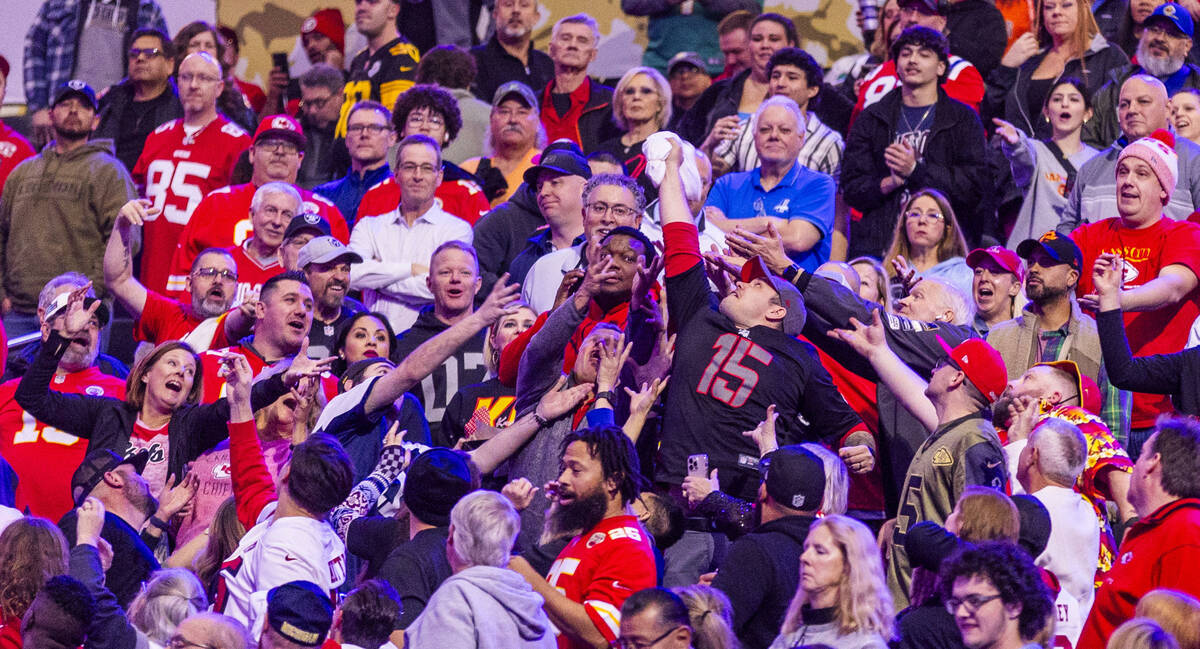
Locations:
664 95
485 528
1062 450
955 300
70 278
224 632
268 189
785 102
578 19
539 140
837 479
171 596
616 180
323 75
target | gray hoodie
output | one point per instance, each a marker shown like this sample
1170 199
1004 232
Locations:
483 607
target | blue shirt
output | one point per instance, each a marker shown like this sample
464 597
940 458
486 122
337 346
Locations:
801 194
347 192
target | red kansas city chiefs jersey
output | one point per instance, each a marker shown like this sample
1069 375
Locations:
177 171
251 274
44 457
462 198
600 569
223 219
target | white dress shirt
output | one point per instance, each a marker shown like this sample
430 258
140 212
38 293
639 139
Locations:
1074 543
546 275
389 247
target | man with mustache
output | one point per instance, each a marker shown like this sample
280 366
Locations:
515 136
1052 327
509 54
612 558
326 263
59 207
182 162
1162 52
211 287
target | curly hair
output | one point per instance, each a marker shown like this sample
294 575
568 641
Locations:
32 550
436 100
1011 571
922 38
864 601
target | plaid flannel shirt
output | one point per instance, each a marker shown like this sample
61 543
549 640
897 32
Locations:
51 41
1117 404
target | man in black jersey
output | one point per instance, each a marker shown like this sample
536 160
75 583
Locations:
386 68
735 360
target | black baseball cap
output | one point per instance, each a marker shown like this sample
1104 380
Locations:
75 88
930 7
300 612
96 464
634 233
795 478
440 477
1060 248
310 221
563 161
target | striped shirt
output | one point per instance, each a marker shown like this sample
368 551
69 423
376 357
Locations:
822 150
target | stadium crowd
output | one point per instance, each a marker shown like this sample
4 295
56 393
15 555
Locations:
449 343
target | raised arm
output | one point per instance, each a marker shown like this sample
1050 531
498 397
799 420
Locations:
909 388
433 352
118 256
253 488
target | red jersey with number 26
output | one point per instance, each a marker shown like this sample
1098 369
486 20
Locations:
44 457
176 171
600 569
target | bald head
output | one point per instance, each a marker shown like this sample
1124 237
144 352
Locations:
1142 107
214 630
843 270
201 61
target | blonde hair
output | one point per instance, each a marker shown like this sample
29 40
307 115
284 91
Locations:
864 601
171 595
711 615
1141 633
664 96
491 355
1177 613
952 244
837 480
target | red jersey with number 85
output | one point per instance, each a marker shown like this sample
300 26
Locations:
45 457
176 171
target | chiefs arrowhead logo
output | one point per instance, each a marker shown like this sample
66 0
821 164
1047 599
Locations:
222 471
309 25
283 123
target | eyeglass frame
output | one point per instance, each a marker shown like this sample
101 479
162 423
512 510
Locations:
916 216
371 129
136 53
223 274
625 644
417 119
605 208
973 605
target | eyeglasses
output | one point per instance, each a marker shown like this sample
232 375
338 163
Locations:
932 216
277 146
628 643
972 602
417 119
179 642
373 129
150 52
597 210
186 79
216 273
412 168
316 103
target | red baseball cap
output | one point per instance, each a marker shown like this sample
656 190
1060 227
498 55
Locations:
4 69
283 127
1089 393
1005 258
982 364
329 23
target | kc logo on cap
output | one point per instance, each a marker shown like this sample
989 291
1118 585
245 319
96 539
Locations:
283 123
310 24
76 84
312 218
1169 9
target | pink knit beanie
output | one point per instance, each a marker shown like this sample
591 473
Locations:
1156 150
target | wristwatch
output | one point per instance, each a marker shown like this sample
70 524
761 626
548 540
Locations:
607 394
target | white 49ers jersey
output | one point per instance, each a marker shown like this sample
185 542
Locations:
177 170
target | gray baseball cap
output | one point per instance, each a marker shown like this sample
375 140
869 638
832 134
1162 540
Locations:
322 250
523 92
